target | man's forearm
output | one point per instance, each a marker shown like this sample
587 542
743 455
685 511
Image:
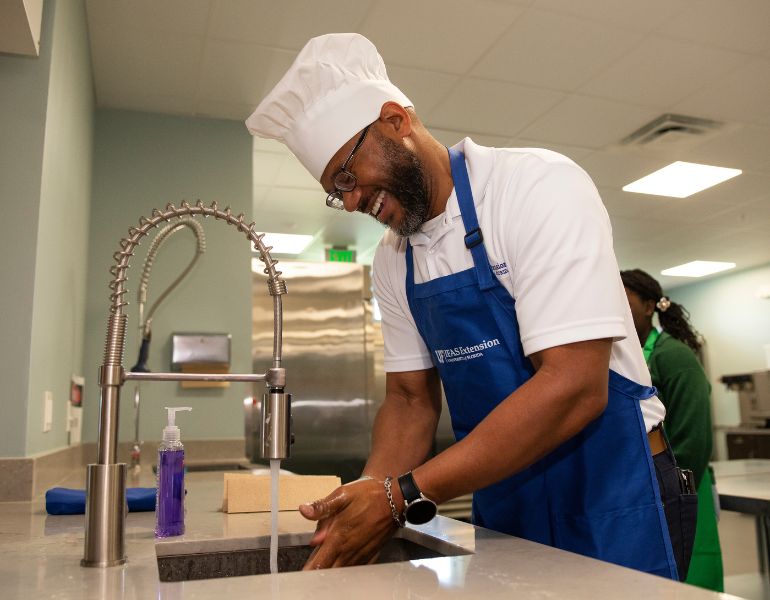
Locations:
555 404
405 426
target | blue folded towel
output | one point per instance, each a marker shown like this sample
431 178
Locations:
66 501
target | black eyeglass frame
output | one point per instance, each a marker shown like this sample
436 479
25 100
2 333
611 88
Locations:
344 180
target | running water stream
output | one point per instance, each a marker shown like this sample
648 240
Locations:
275 469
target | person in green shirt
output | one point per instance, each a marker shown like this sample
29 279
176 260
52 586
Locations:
672 355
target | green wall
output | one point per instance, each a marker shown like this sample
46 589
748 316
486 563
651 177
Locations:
143 161
735 321
46 107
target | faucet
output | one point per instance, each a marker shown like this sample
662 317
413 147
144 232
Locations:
105 522
145 325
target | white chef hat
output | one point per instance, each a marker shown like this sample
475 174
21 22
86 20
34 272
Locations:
335 87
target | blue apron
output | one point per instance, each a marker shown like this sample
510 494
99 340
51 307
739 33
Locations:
596 494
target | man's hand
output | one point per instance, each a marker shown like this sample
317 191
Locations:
354 522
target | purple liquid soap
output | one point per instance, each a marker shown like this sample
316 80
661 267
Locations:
169 501
169 507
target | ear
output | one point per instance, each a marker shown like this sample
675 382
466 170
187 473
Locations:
395 120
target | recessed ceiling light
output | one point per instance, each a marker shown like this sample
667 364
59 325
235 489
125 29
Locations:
698 268
681 179
286 243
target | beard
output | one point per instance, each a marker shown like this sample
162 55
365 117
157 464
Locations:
406 182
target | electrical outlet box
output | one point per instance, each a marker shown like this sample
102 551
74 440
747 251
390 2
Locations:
47 411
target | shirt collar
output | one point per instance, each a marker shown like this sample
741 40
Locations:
479 160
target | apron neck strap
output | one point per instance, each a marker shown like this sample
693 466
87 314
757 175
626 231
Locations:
474 239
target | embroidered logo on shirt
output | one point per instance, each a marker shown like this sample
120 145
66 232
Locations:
459 353
500 269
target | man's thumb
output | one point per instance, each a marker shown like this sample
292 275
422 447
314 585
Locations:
320 509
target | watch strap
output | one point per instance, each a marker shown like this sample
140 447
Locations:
409 489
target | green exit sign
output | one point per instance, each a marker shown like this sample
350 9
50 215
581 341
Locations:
340 255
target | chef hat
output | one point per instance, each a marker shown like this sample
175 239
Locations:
335 87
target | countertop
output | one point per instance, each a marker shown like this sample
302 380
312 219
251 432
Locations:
739 468
40 558
744 485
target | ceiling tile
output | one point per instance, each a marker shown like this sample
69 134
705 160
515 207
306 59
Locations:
296 201
184 57
552 50
445 35
266 166
635 230
450 138
743 95
425 88
258 194
741 26
575 153
221 109
744 147
492 107
624 205
747 187
588 122
267 145
635 16
269 219
143 16
293 174
740 218
251 72
661 72
128 62
286 24
142 100
616 169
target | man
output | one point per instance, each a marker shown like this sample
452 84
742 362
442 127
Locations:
549 453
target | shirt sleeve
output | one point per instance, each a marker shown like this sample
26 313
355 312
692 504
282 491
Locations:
405 349
565 280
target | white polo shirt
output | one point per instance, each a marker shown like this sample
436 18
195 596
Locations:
549 240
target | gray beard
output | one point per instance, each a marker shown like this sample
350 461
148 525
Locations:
406 183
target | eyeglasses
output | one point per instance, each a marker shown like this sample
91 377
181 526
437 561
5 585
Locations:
344 180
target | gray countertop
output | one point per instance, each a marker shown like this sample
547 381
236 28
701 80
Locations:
744 485
40 558
739 468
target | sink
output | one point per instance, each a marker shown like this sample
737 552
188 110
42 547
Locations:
218 562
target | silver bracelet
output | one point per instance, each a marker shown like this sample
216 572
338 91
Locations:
393 511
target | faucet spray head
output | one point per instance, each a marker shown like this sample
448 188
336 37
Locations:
276 424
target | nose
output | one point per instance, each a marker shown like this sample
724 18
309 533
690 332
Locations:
352 199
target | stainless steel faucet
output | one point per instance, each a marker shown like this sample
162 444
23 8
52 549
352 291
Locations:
106 479
145 324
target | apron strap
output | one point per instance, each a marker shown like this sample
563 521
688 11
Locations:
474 239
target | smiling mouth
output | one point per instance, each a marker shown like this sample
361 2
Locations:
377 206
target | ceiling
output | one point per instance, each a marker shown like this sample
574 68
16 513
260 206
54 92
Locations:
575 76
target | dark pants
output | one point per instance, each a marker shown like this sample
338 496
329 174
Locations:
681 509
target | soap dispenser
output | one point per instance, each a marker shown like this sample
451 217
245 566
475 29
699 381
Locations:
169 500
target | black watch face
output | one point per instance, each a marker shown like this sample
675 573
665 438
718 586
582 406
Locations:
421 511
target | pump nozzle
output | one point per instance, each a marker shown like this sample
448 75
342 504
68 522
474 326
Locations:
171 431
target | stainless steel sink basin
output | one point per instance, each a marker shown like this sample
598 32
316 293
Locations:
210 560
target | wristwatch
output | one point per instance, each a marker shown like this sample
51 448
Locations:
417 508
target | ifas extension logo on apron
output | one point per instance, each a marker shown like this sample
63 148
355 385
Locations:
459 353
